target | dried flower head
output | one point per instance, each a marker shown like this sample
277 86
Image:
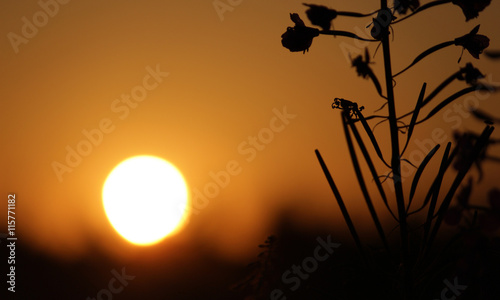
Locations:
473 42
341 103
363 69
298 38
362 66
471 8
465 145
470 74
381 24
320 15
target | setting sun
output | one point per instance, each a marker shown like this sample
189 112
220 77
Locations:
144 198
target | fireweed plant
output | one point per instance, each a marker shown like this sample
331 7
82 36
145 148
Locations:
419 266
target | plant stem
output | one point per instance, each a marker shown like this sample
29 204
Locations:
354 14
426 53
422 8
396 163
346 34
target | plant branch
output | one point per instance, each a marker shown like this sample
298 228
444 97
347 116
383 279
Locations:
426 53
346 34
355 14
422 8
396 162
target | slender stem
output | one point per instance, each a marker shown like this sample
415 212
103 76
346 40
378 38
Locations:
426 53
396 163
422 8
354 14
345 33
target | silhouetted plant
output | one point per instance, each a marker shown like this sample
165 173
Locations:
417 271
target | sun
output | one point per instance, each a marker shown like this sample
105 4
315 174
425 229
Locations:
145 199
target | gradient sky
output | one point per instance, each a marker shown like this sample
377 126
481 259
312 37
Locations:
228 76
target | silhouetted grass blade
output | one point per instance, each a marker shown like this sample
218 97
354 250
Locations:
433 94
341 204
420 169
436 186
376 83
434 182
415 115
454 97
479 146
371 136
345 121
370 164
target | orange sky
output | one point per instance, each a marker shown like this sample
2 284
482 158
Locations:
215 80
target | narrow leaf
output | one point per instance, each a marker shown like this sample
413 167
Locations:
341 204
436 186
431 189
415 115
436 91
480 145
454 97
376 83
420 170
361 181
371 136
371 166
422 8
426 53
